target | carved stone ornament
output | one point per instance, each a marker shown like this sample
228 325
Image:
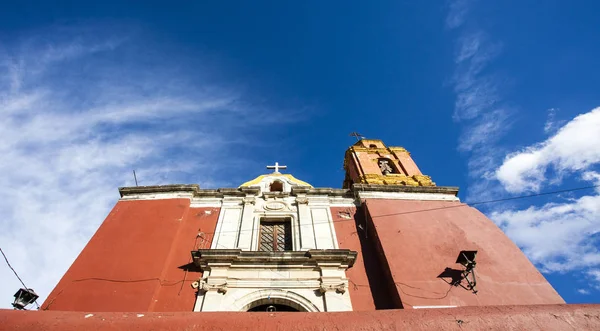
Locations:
341 288
302 200
274 205
205 287
249 201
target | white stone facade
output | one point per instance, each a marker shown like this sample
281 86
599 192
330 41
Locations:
308 288
310 216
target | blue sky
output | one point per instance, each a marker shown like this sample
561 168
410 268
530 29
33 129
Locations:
498 98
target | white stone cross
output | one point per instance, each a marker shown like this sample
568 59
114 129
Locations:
276 167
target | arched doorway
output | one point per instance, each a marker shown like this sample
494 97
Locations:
272 308
279 300
271 304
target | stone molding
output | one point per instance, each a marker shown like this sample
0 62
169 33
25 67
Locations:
401 188
204 258
212 197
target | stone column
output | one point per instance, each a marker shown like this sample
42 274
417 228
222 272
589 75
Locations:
214 287
247 225
307 234
334 287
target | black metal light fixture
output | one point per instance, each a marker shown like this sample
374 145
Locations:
467 259
24 297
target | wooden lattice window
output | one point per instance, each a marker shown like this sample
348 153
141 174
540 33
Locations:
275 236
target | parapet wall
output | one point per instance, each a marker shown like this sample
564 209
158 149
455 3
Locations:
539 317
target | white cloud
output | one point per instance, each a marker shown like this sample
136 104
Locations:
77 116
595 275
559 236
556 236
573 148
583 291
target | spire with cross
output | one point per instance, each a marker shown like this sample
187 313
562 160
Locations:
276 167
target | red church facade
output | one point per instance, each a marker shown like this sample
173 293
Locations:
396 240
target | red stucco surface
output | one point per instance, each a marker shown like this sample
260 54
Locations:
348 237
407 163
137 260
541 317
419 239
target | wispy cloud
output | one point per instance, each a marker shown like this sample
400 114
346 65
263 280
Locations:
80 108
552 124
457 11
479 105
583 291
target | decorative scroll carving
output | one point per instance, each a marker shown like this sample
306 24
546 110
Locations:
302 200
205 287
249 201
340 288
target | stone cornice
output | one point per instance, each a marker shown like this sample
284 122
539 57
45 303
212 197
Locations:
194 190
205 257
402 188
131 190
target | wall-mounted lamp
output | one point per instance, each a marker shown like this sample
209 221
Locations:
24 297
467 259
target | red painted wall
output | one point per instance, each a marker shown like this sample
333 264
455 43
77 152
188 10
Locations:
137 260
541 317
348 237
419 239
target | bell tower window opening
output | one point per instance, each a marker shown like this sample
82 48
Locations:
386 166
372 146
275 235
276 186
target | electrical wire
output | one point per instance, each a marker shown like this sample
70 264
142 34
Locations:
16 274
444 207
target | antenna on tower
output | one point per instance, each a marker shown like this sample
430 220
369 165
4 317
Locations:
135 178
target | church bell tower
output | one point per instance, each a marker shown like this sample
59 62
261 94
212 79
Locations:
369 161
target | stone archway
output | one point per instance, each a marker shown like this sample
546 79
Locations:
275 298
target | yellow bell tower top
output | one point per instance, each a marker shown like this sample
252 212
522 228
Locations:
369 161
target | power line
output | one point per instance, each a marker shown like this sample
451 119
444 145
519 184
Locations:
535 195
445 207
15 272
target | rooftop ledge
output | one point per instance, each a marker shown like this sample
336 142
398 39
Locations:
196 191
534 317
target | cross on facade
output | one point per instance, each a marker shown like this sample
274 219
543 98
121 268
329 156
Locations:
276 167
357 135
